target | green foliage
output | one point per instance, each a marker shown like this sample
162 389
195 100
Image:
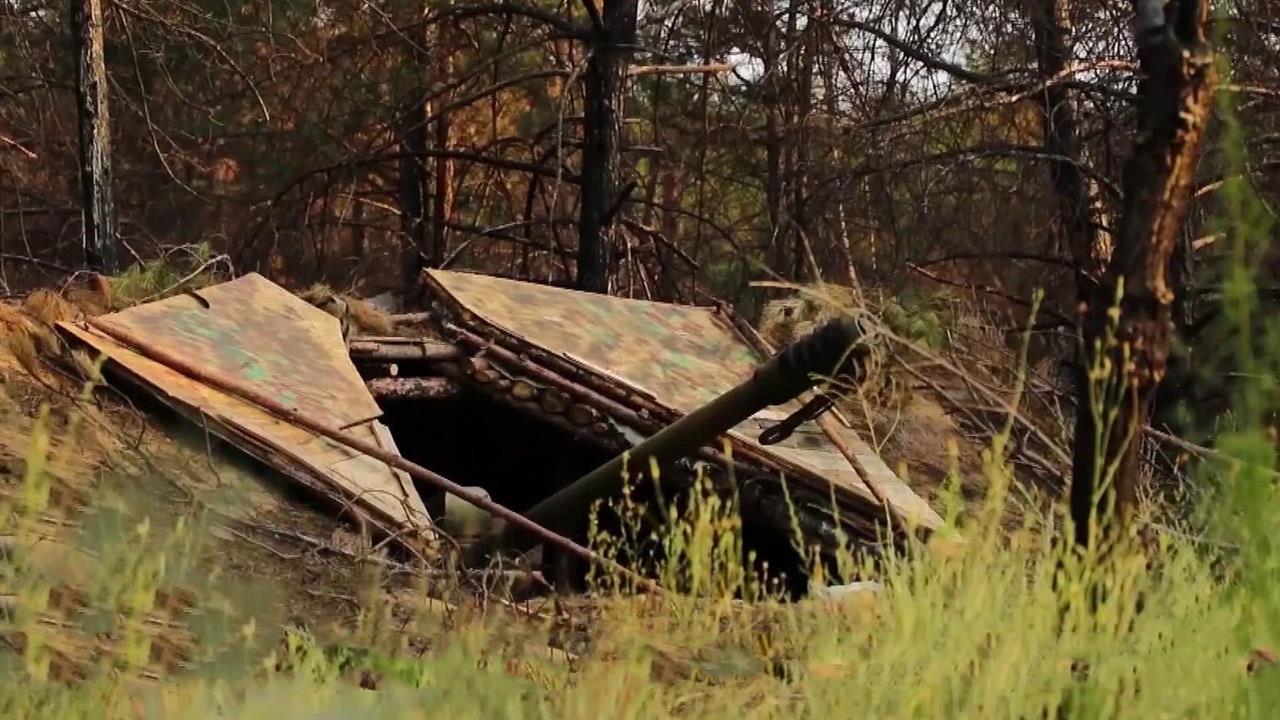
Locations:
975 623
165 276
919 317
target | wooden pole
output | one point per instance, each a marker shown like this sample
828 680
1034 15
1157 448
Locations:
237 389
413 388
401 350
831 428
97 208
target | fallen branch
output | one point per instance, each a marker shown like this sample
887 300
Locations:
713 69
413 388
18 146
987 290
1200 450
46 264
186 278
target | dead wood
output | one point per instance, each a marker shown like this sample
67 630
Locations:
402 350
413 388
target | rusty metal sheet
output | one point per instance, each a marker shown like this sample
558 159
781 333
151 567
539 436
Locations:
387 496
681 357
255 331
912 507
808 449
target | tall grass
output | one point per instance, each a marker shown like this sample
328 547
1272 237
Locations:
994 626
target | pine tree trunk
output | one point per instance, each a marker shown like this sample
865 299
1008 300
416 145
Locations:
804 259
774 188
604 87
413 189
98 210
442 200
1088 245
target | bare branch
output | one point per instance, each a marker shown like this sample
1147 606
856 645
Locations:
460 12
914 52
643 70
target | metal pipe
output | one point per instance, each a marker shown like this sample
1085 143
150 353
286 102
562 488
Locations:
781 379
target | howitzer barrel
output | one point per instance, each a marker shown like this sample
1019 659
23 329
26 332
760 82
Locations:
828 351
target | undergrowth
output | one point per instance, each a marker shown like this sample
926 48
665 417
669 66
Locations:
182 269
973 623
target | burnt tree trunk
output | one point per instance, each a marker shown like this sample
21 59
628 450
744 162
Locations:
442 200
604 87
804 261
790 71
97 208
1125 355
413 189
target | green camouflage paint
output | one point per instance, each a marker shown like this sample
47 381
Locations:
292 351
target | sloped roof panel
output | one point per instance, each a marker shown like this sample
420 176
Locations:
682 357
255 331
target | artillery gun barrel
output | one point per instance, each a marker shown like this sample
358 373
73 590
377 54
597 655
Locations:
826 352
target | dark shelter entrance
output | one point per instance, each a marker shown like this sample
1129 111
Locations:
476 441
520 459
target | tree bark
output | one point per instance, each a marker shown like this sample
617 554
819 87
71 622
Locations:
803 252
97 208
442 200
1084 239
413 189
668 285
774 188
604 87
790 79
1125 355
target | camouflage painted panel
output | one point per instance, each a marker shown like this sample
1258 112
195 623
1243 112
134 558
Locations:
373 485
255 331
683 357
